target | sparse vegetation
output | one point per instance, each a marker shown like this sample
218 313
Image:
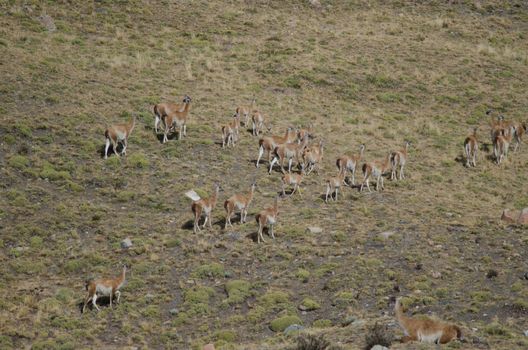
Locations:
362 72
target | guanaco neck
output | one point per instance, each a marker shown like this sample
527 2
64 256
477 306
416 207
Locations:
122 276
131 125
215 196
276 206
400 316
361 149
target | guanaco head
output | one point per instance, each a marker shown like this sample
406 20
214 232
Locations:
187 99
489 111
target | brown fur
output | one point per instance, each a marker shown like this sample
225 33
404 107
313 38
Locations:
268 217
163 109
399 159
245 110
345 163
292 179
333 184
113 283
312 157
206 206
243 200
177 119
288 151
268 143
118 133
425 330
471 149
230 132
375 169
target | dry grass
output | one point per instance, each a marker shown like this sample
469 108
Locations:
361 72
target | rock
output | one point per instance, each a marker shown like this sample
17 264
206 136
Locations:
436 274
126 243
386 234
523 217
348 320
293 328
314 229
526 333
209 347
174 311
508 216
379 347
47 22
492 273
315 3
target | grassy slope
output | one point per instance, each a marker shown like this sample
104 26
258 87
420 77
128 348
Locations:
361 72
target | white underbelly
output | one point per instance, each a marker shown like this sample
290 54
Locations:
429 338
102 290
271 220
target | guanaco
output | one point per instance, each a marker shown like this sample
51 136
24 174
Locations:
376 170
471 149
203 206
245 110
349 163
268 143
425 330
304 132
162 109
292 180
257 119
177 119
399 159
118 133
230 132
239 202
104 287
288 151
333 184
312 157
501 145
267 217
520 130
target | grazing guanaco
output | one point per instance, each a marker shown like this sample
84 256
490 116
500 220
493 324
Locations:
239 202
288 151
118 133
399 159
501 145
471 149
203 206
104 287
292 180
312 157
425 329
333 184
162 109
230 132
268 143
375 169
177 120
349 163
258 123
267 217
520 130
245 110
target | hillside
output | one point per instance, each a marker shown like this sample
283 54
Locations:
362 72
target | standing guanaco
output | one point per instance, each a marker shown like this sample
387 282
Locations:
239 202
162 109
399 159
203 206
118 133
350 163
245 110
267 217
312 157
471 149
333 184
104 287
375 169
257 119
288 151
177 120
292 180
268 143
501 145
230 132
425 329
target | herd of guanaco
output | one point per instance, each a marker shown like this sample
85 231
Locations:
294 146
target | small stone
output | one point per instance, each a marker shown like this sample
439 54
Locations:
126 243
314 229
209 347
526 333
379 347
386 234
436 274
348 320
47 22
523 217
293 328
174 311
509 215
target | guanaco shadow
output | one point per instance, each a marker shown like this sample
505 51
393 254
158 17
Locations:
102 301
119 149
254 235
